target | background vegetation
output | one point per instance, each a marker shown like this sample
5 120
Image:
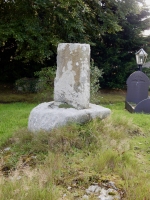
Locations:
112 28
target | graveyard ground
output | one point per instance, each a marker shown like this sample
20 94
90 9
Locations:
62 164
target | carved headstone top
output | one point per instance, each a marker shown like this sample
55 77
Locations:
137 87
72 82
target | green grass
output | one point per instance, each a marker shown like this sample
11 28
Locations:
43 166
13 116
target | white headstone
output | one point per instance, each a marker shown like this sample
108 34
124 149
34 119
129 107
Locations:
72 82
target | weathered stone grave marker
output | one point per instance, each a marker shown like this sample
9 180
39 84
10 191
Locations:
72 82
137 93
72 87
137 87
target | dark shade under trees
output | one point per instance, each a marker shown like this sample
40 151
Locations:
115 53
30 31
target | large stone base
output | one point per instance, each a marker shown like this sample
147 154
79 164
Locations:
47 116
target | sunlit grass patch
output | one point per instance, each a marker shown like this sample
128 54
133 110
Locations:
12 117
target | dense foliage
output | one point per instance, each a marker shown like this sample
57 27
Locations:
31 30
115 53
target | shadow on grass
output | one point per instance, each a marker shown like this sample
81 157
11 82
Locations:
8 94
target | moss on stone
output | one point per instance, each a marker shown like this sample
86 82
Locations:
65 105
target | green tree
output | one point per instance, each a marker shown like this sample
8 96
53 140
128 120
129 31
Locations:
30 30
37 26
115 53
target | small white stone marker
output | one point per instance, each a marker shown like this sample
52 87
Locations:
72 82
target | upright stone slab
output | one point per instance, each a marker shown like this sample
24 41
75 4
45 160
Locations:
137 87
72 86
72 82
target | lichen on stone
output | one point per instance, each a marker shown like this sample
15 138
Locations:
65 105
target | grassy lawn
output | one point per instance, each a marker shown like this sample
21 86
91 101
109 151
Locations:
62 164
13 116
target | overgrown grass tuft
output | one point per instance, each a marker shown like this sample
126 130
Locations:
63 163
